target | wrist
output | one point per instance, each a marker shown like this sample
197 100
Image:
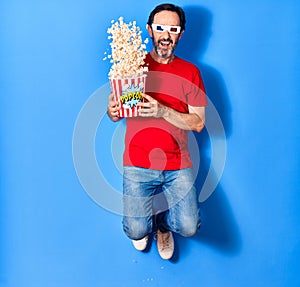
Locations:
166 112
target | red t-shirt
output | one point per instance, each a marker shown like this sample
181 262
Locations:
153 142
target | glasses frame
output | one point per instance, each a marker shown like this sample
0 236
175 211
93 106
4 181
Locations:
165 27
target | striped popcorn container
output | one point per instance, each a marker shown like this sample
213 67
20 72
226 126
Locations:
128 92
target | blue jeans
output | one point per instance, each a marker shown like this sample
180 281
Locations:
180 214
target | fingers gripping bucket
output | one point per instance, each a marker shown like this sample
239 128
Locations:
128 92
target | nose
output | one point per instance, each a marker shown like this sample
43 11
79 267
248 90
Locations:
165 34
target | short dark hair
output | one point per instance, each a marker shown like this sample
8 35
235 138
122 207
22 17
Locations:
168 7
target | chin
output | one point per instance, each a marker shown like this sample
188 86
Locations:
164 54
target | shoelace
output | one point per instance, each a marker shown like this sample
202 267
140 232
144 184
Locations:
165 240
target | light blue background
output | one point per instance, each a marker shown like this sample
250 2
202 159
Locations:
54 234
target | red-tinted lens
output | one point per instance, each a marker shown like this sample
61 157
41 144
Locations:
173 29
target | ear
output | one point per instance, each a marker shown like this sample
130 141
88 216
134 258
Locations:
180 35
149 31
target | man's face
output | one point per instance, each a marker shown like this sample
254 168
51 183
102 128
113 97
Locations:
165 42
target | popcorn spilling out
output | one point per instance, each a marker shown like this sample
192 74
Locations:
128 50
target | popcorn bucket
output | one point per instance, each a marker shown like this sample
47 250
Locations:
128 92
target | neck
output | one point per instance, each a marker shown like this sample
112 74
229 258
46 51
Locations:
161 60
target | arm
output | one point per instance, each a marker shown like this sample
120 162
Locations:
194 120
113 109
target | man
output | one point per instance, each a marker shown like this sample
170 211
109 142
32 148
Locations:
156 156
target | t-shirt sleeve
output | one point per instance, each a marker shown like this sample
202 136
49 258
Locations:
196 96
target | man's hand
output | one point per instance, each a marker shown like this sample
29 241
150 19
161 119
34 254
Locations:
193 120
113 108
151 108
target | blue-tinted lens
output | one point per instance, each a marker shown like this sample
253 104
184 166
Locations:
160 28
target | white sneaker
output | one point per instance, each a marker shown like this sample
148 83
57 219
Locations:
140 244
165 244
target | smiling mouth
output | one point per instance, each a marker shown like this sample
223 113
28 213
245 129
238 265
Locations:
165 43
